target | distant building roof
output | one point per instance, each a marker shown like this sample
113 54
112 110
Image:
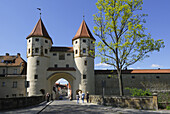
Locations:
39 31
61 49
83 32
135 71
14 61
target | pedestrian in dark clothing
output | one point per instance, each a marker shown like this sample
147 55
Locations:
77 97
87 97
48 97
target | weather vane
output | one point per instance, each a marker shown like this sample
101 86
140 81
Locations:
83 17
40 11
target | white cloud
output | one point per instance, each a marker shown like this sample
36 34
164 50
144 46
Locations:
134 68
156 65
102 65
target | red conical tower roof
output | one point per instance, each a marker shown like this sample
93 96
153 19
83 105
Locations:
39 31
83 32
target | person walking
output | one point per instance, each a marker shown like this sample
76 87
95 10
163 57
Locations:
77 97
83 95
48 97
87 97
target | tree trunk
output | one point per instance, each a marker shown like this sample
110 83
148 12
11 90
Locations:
120 84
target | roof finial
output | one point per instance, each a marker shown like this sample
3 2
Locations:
40 11
83 17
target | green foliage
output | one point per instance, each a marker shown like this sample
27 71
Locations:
120 26
164 97
168 107
139 92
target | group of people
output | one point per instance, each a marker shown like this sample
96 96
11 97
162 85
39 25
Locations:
81 95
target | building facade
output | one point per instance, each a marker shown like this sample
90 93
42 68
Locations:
12 76
47 63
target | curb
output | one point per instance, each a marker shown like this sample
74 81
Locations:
45 107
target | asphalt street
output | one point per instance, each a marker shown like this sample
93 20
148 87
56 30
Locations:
71 107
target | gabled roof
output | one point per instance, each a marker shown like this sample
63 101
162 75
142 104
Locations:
83 32
14 61
39 31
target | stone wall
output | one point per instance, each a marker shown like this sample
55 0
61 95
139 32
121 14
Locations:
13 103
154 82
149 102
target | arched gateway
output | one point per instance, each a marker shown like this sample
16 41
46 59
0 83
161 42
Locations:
57 75
46 63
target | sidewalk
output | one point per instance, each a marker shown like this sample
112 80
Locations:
36 109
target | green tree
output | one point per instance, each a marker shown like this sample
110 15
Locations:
123 40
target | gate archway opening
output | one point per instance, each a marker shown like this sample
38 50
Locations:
61 90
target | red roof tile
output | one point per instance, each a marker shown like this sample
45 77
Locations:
39 31
135 71
83 32
14 61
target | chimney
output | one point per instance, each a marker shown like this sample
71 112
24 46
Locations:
7 54
18 54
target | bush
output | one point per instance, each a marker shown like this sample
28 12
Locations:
168 107
139 92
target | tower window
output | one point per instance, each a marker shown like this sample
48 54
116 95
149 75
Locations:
29 51
55 65
29 40
91 42
85 62
36 39
84 50
36 50
38 62
84 40
54 54
68 54
75 42
67 65
61 56
46 51
36 76
14 84
84 76
76 52
46 41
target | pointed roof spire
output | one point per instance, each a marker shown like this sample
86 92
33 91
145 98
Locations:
39 31
83 32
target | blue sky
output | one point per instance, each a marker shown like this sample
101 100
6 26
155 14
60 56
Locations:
62 19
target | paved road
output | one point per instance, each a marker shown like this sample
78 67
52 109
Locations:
62 107
71 107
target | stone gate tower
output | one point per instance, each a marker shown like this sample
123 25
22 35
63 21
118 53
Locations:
38 49
84 60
